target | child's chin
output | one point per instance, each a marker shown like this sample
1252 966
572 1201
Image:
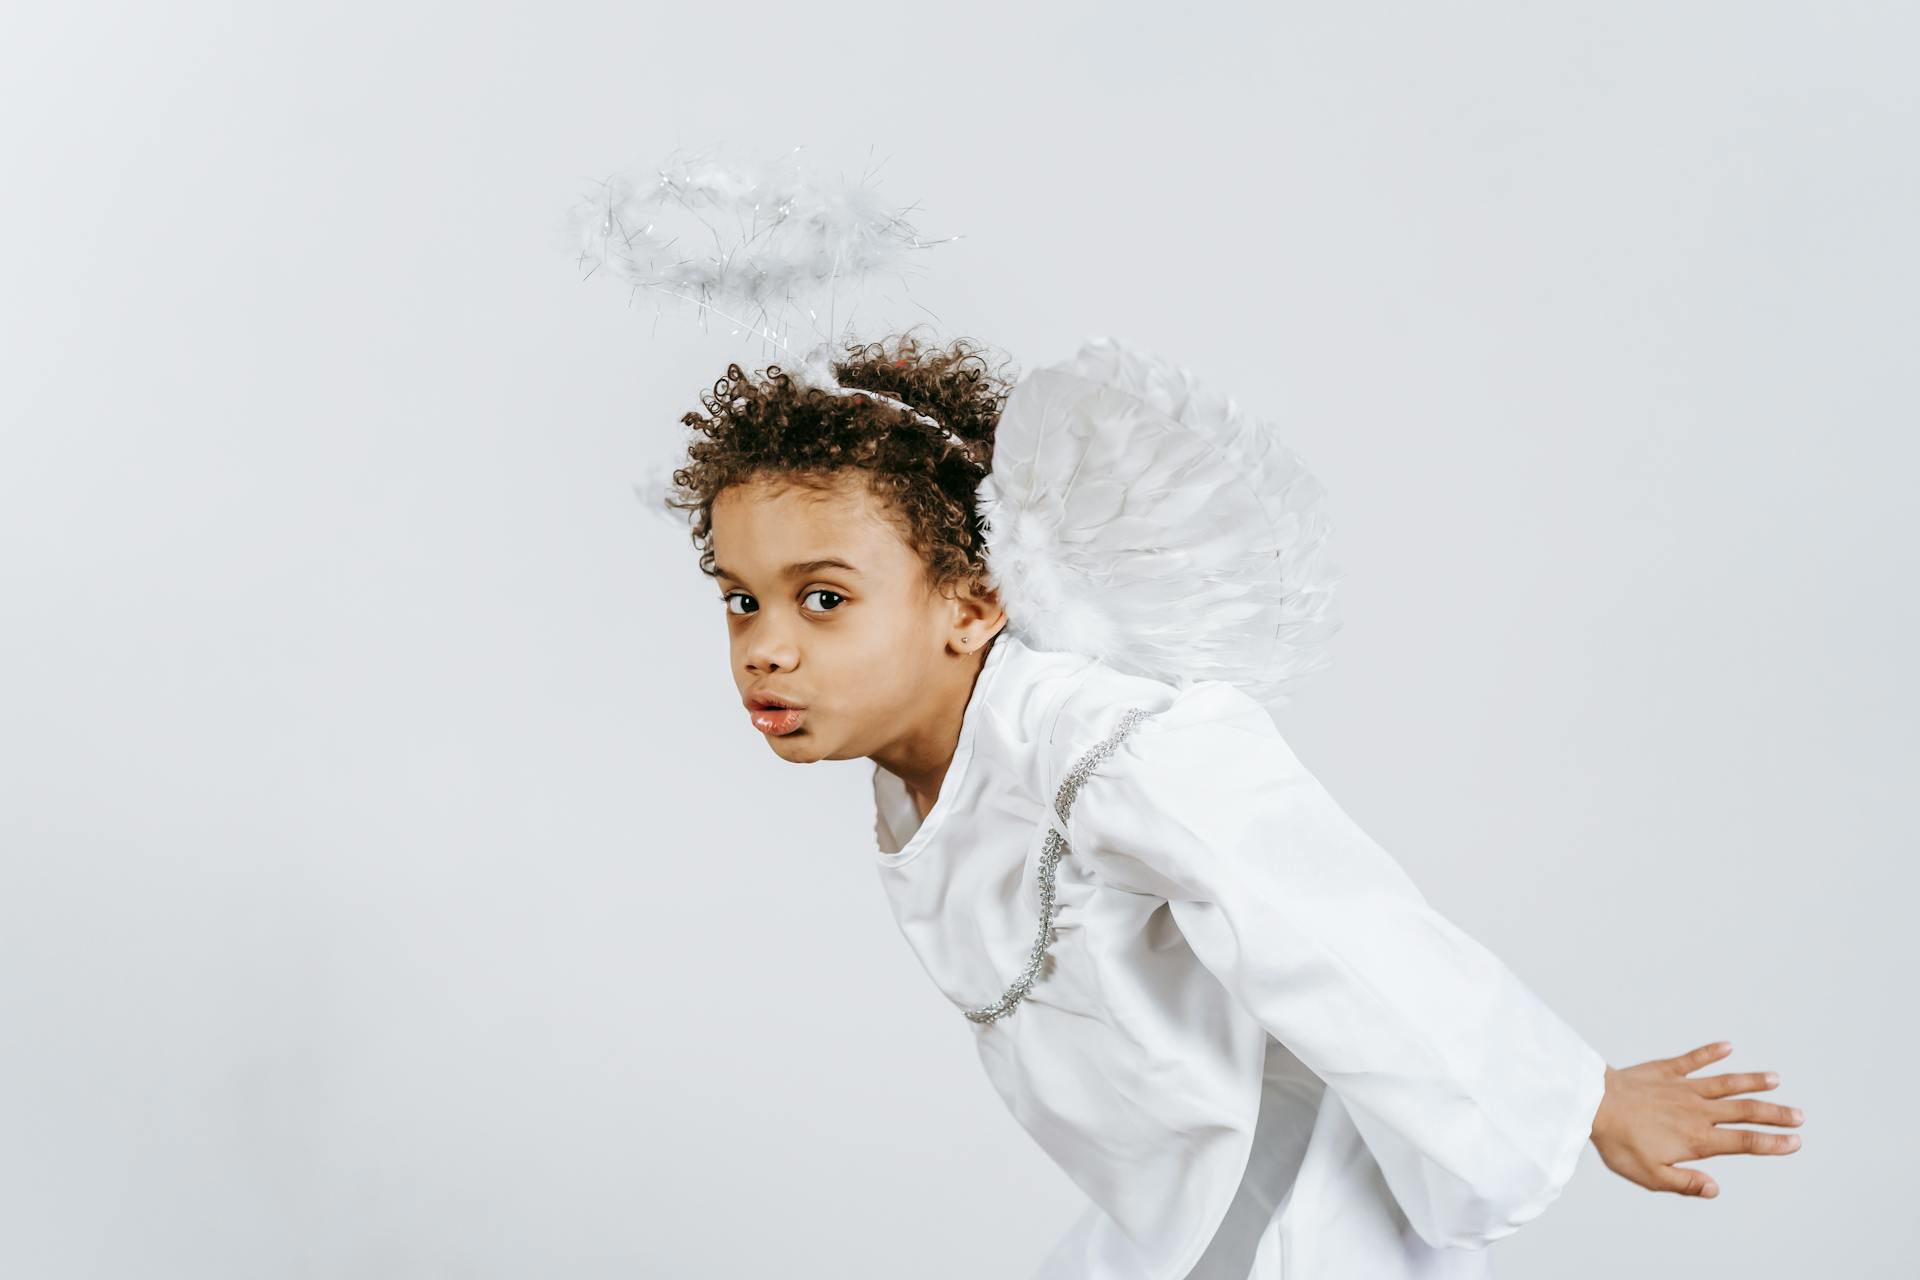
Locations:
798 743
804 746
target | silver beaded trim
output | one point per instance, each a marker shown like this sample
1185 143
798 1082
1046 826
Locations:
1049 858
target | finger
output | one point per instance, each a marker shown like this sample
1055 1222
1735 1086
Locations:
1754 1111
1736 1082
1686 1182
1750 1142
1692 1061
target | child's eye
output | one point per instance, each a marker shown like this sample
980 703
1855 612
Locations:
822 591
730 597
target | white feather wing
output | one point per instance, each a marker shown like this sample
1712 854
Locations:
1139 518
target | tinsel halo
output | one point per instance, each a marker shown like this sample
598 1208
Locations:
771 246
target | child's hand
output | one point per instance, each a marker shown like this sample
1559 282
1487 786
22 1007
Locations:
1653 1115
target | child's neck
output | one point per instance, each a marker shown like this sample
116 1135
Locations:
921 760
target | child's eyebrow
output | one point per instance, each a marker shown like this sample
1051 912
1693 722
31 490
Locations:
799 569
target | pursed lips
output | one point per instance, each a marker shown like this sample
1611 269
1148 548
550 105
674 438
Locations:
773 715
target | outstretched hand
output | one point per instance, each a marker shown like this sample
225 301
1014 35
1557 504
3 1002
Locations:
1654 1114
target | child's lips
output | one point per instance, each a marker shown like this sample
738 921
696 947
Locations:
776 720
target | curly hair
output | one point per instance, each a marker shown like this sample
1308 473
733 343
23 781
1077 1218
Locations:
774 428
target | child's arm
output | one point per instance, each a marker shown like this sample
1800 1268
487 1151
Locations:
1473 1096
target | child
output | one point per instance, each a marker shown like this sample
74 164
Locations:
1226 1013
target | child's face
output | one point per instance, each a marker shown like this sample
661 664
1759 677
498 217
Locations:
865 648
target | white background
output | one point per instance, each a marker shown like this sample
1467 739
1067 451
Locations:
390 881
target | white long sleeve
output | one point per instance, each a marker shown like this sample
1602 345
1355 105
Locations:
1473 1096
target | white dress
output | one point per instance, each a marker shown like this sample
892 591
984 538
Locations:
1251 1042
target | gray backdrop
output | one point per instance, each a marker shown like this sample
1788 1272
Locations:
391 884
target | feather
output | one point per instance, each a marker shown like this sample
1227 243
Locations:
1137 517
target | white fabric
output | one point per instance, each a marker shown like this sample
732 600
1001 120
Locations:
1253 1044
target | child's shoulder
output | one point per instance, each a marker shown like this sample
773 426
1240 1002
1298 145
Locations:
1104 707
1153 779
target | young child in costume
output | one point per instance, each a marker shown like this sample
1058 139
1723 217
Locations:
1055 616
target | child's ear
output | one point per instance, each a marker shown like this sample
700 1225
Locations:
976 612
978 600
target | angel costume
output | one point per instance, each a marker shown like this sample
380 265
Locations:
1253 1044
1240 1028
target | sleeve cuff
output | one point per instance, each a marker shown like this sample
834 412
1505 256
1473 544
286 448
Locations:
1583 1105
